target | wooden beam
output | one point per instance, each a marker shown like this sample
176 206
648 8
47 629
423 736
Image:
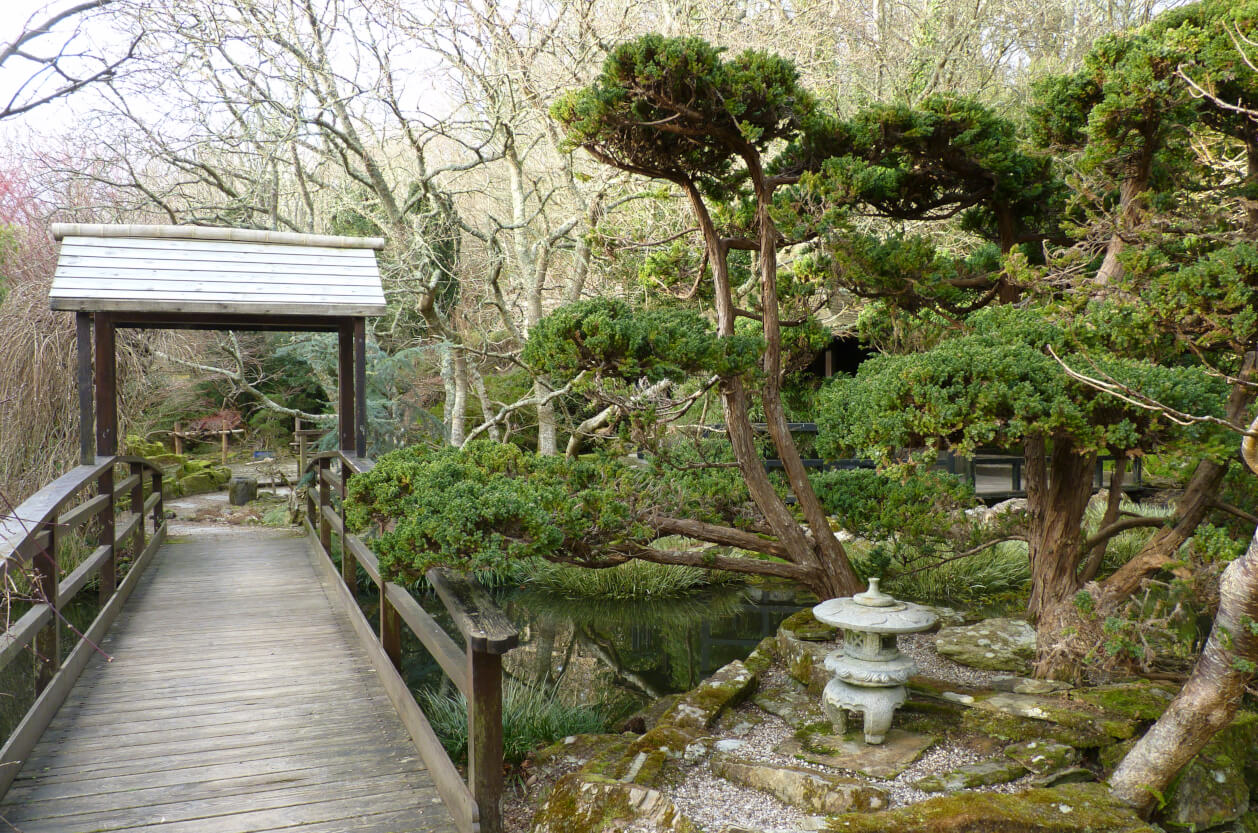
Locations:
360 386
449 656
485 627
345 378
106 387
83 339
21 632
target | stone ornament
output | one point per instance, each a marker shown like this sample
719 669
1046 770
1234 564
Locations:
869 671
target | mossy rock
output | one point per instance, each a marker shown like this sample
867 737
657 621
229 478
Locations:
762 658
581 749
998 770
805 661
196 466
1043 756
806 789
584 804
803 625
698 708
1140 700
1071 808
171 488
221 474
1060 711
202 481
647 717
1014 729
1214 788
169 460
135 444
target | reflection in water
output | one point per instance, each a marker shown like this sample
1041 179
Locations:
617 653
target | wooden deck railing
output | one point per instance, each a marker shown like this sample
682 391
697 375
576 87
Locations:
475 670
30 536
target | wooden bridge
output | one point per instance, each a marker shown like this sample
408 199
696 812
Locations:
229 683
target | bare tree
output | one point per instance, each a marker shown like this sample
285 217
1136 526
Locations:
55 59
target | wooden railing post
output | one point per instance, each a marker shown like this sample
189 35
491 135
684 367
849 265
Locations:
349 567
159 508
484 734
108 569
325 499
48 640
137 505
390 628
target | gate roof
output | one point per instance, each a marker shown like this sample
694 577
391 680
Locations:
217 271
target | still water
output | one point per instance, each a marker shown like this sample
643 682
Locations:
616 653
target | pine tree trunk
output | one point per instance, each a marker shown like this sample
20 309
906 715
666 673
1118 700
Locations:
1059 486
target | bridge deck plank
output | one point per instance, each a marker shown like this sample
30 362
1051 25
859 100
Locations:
208 719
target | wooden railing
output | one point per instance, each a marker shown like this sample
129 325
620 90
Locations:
476 670
30 537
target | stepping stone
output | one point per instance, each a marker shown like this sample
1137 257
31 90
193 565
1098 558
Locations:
993 644
1058 710
1070 775
885 760
984 773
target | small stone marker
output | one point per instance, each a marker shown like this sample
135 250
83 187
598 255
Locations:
241 490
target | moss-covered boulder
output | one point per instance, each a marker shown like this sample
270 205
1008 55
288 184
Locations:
137 445
193 484
804 660
221 474
1213 789
994 644
586 804
1068 713
171 487
1072 808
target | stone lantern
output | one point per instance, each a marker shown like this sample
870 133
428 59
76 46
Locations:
869 672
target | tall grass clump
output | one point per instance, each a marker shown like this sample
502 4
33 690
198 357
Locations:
531 718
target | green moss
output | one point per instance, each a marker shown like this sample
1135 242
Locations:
1071 808
1134 701
805 626
194 484
761 659
1014 729
664 737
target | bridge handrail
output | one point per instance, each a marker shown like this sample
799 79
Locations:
29 539
476 670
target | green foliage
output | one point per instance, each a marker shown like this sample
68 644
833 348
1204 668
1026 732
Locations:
610 338
531 718
634 579
677 109
917 507
996 385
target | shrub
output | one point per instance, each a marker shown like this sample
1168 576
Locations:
531 718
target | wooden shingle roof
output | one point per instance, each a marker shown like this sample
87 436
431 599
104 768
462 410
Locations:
198 269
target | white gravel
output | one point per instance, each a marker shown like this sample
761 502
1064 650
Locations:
715 804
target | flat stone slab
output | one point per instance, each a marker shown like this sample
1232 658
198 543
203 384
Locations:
885 760
807 789
791 702
993 644
1057 710
999 770
1043 756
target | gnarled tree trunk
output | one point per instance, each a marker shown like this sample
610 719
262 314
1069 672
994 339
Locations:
1055 507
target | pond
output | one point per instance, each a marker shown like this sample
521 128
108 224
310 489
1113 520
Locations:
616 654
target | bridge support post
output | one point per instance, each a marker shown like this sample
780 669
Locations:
106 387
48 640
390 629
484 733
87 419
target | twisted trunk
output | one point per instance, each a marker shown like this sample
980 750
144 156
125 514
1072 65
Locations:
1055 507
